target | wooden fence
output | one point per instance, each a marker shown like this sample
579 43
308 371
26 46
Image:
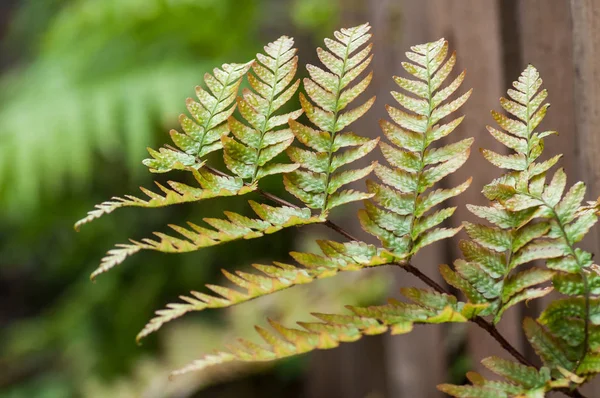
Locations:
494 40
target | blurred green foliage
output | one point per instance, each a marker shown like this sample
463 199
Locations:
103 74
89 84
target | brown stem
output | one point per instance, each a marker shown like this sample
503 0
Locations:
415 271
491 329
339 230
276 199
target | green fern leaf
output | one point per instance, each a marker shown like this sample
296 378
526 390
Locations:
288 342
482 391
256 143
211 186
338 257
526 376
566 335
397 317
590 365
573 285
401 223
202 135
518 198
247 154
235 227
548 348
522 381
524 295
329 94
518 282
569 322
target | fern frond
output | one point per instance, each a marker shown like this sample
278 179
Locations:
256 143
337 257
235 227
211 186
565 335
402 221
569 221
202 135
331 330
490 273
521 381
319 182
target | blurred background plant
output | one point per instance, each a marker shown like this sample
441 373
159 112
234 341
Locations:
85 86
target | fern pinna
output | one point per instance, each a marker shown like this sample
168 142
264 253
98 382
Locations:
528 219
318 183
403 225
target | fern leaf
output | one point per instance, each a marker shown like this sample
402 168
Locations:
401 223
564 334
521 381
202 134
337 257
235 227
332 329
257 141
518 198
285 342
329 93
547 347
211 186
486 275
563 323
569 222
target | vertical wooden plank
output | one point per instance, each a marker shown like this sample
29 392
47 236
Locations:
351 370
586 72
586 55
545 41
474 30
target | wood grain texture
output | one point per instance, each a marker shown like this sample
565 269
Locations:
544 41
474 31
586 76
